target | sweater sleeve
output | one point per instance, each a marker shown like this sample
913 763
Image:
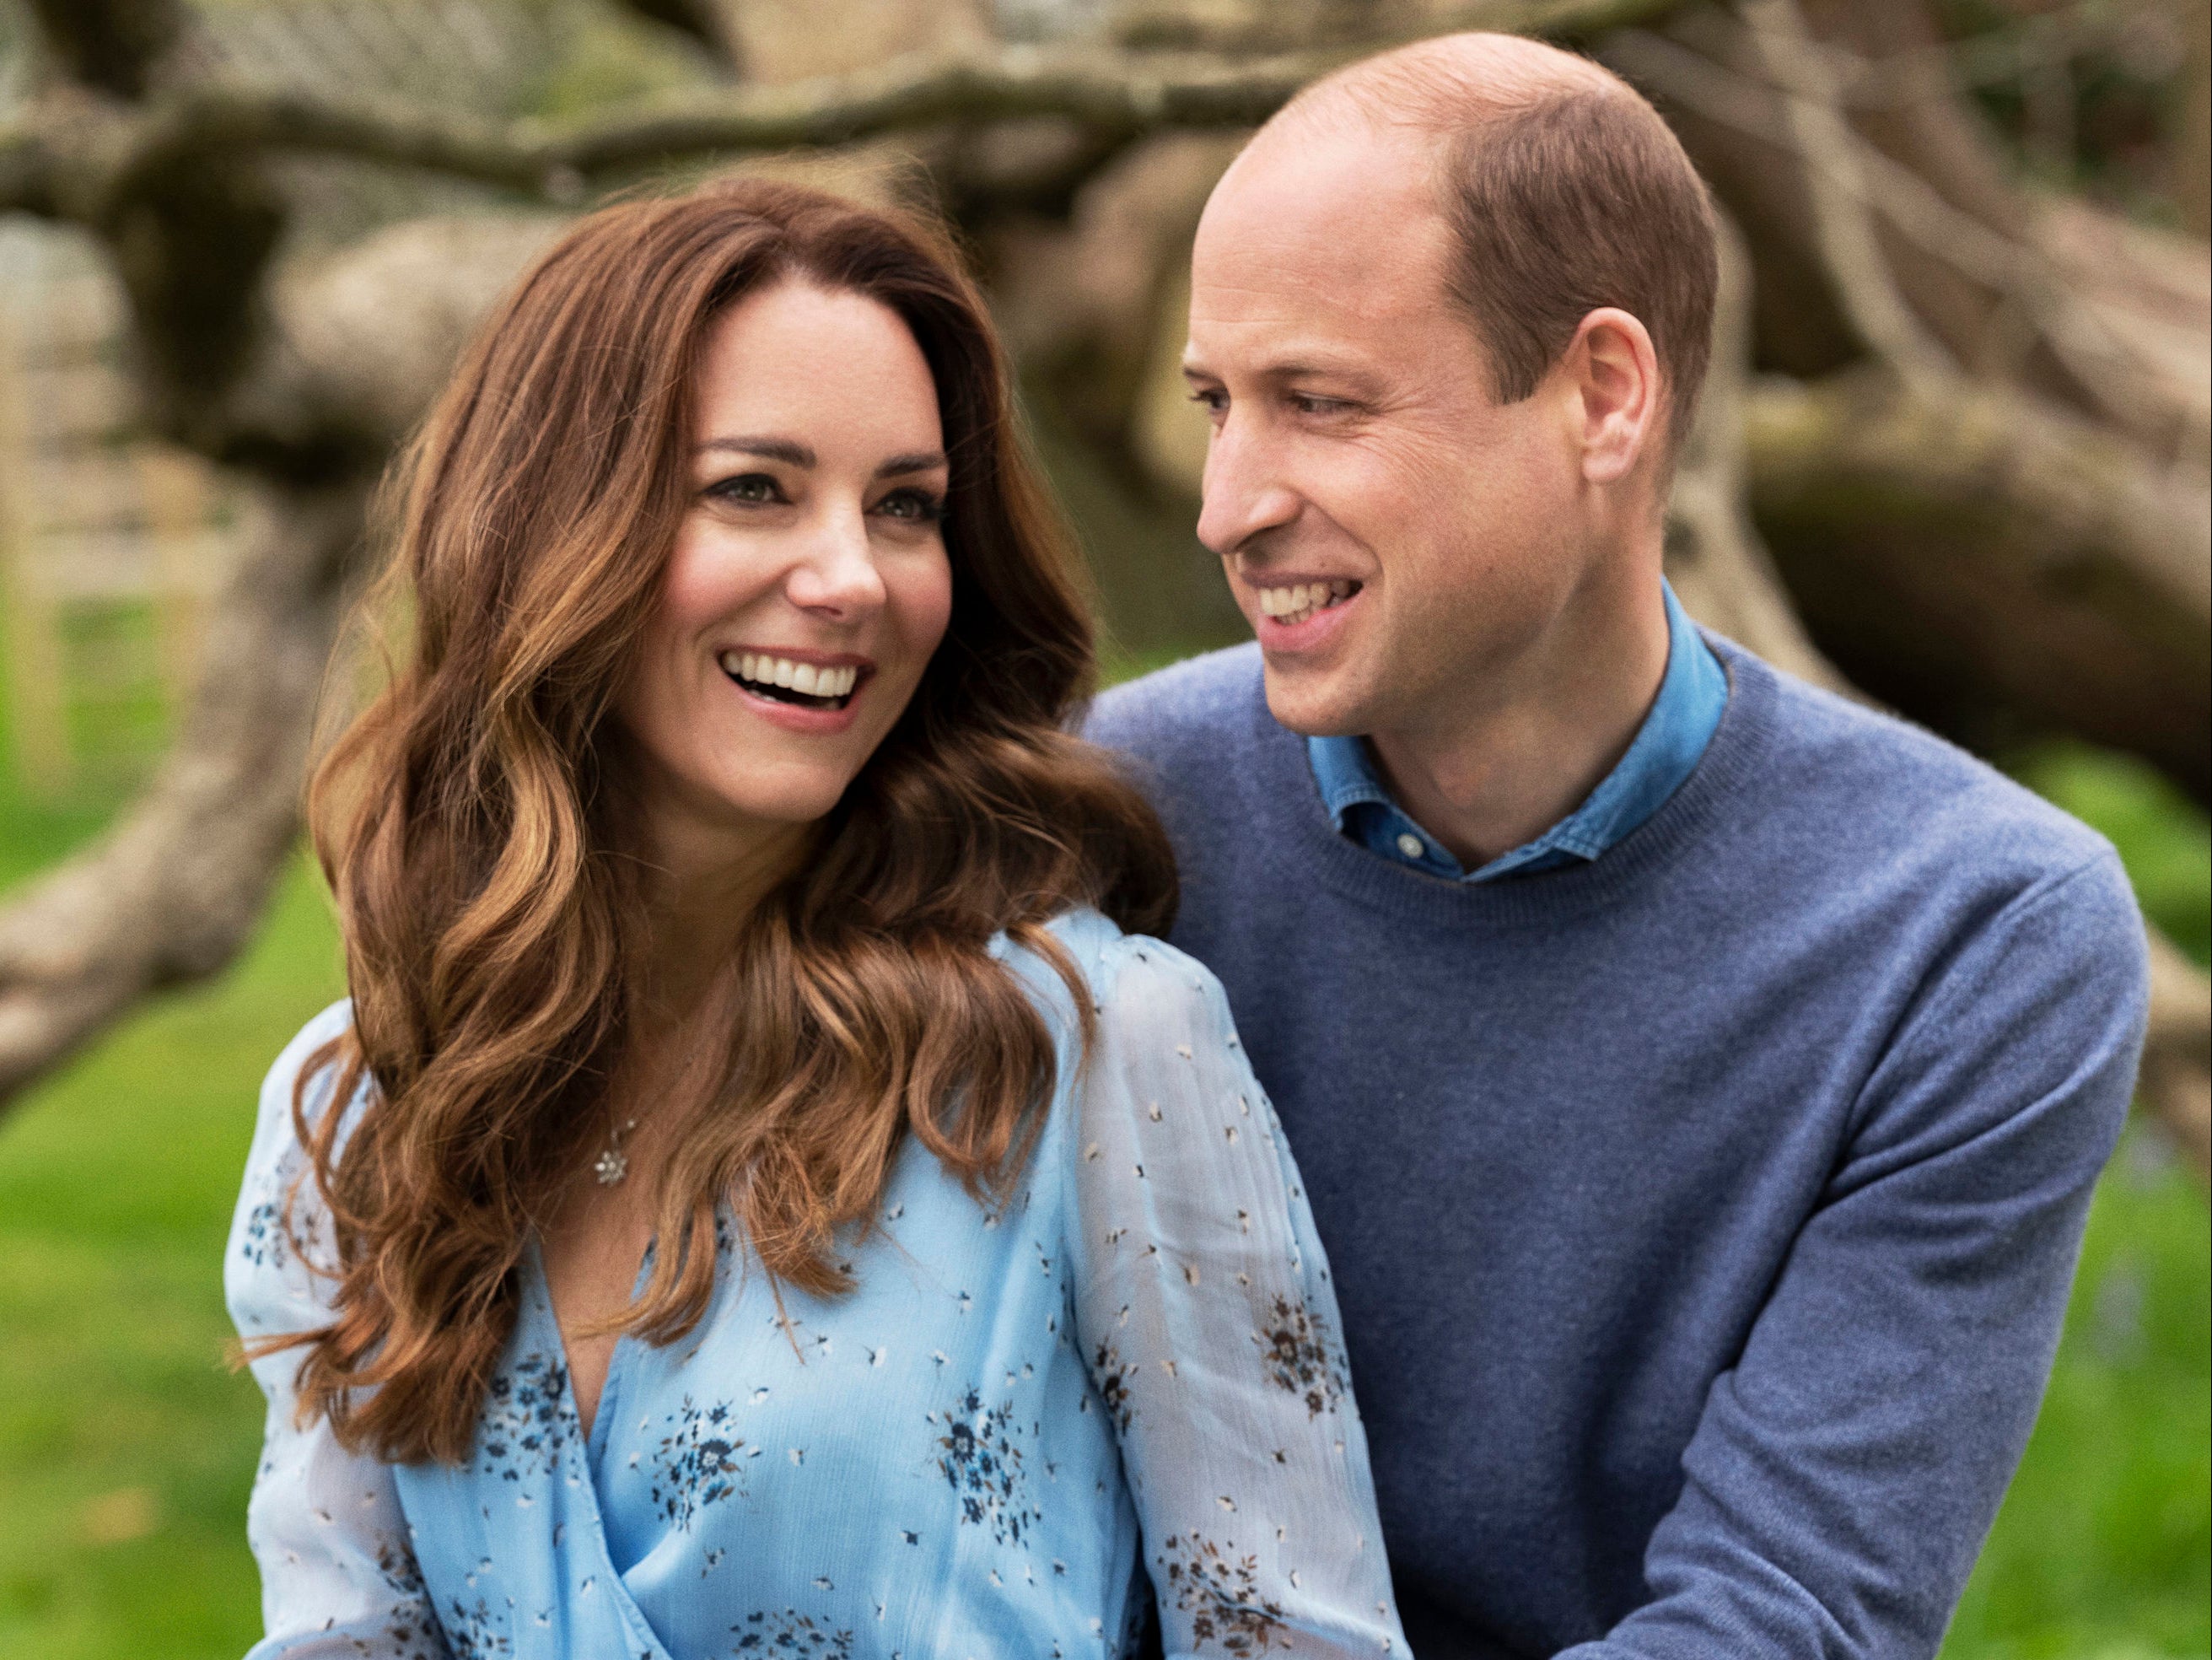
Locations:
1203 1308
1845 1471
338 1577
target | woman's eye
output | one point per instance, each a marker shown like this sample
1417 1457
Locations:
915 507
749 489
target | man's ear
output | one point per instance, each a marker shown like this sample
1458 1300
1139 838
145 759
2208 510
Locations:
1614 372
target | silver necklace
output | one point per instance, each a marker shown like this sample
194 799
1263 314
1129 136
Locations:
613 1164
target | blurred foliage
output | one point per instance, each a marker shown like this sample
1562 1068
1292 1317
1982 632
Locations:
609 57
2086 96
2163 838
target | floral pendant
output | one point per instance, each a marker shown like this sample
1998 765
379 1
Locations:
613 1164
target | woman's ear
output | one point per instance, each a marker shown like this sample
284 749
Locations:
1614 372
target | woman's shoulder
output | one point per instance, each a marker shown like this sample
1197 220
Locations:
320 1029
265 1281
1126 975
283 1074
274 1132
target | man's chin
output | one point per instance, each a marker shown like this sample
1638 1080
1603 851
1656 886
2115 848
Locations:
1313 705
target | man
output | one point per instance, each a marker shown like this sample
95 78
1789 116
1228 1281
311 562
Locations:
1699 1081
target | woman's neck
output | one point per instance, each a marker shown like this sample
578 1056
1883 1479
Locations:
701 890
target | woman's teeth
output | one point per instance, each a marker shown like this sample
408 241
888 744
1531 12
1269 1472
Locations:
1293 605
797 680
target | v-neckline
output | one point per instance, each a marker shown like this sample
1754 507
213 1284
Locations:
592 1429
538 1296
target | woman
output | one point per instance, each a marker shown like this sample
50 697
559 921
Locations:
773 1209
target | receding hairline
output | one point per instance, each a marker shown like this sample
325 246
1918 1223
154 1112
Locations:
1529 144
1445 86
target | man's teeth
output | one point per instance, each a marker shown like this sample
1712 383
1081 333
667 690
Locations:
1301 601
804 679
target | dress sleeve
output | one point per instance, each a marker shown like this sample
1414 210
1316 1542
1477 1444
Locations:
338 1576
1203 1305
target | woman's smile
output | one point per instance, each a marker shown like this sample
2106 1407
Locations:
796 678
799 691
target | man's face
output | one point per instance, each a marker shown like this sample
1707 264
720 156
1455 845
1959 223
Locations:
1397 538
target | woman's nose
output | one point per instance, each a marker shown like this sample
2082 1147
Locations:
838 574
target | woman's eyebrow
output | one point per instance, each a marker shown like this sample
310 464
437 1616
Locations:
789 451
920 461
794 453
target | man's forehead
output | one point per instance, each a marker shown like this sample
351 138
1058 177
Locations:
1346 225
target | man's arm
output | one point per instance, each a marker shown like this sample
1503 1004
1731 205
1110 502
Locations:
1845 1471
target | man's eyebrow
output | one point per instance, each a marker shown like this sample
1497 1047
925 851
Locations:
1303 368
921 461
789 451
1294 368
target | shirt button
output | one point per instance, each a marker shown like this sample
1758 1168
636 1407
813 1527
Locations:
1410 845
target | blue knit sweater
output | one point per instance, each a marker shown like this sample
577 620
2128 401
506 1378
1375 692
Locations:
1702 1217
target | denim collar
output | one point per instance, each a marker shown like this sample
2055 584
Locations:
1665 752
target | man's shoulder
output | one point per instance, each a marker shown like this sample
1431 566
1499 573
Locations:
1188 712
1857 778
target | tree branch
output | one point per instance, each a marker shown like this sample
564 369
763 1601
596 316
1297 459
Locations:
1108 92
170 892
1980 550
116 46
1720 568
707 23
1850 183
1261 28
1836 186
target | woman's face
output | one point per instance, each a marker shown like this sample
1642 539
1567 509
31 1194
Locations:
809 584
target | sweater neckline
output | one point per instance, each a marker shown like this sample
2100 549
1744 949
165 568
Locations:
1738 748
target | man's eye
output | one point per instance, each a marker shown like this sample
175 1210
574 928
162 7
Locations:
915 507
749 489
1212 399
1305 404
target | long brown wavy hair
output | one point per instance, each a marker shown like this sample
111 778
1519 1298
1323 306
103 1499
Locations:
474 828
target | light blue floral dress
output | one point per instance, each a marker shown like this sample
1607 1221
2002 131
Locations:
1021 1427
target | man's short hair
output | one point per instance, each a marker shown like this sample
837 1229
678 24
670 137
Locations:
1564 191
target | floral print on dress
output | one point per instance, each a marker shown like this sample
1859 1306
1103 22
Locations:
1301 1358
411 1628
527 1420
981 1459
697 1463
474 1633
1112 1375
792 1633
1219 1591
264 1242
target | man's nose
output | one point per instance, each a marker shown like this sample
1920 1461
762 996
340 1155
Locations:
838 575
1246 492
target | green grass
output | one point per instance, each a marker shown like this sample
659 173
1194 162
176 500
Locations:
2166 841
2104 1548
126 1448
